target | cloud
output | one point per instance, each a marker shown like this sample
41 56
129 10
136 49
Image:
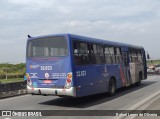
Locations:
133 21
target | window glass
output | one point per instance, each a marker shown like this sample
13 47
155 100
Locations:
99 49
118 55
94 49
92 53
106 50
111 50
83 49
133 55
81 53
118 51
47 47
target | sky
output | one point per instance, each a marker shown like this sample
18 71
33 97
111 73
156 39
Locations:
129 21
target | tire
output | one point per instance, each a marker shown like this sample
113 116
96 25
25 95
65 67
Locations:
112 87
139 79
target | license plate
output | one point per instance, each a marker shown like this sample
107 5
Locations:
47 81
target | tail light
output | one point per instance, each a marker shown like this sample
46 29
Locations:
68 80
29 82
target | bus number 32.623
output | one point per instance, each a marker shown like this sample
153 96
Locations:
80 73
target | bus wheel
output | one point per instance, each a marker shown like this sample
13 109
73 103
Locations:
139 79
112 87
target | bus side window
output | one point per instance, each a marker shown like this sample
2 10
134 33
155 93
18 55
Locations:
76 55
92 51
107 55
140 57
130 56
100 54
81 52
118 55
112 56
96 54
134 57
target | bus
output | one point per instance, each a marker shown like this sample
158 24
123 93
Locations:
77 66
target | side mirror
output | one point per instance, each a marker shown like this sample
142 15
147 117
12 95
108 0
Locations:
148 57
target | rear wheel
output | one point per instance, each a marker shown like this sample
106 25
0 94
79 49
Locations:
139 79
112 87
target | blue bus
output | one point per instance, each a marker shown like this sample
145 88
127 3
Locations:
76 66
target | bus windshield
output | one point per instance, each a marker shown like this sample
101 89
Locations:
47 47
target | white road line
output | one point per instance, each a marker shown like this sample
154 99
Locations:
141 103
150 78
137 105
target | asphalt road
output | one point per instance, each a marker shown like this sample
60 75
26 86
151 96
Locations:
123 100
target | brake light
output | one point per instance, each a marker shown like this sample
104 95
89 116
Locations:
28 77
29 82
68 80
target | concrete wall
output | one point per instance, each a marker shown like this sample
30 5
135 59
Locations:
12 89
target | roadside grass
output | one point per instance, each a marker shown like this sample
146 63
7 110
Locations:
149 62
11 80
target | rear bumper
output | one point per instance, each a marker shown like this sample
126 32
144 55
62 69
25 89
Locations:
49 91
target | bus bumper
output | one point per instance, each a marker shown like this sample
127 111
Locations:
49 91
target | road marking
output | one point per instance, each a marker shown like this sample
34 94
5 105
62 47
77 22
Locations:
152 77
140 104
137 105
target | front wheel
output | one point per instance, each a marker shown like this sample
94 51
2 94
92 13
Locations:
139 80
112 87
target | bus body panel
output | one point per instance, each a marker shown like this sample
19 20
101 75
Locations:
94 79
54 70
49 75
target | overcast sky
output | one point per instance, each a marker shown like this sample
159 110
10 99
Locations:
129 21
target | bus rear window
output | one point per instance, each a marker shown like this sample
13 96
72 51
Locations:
47 47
